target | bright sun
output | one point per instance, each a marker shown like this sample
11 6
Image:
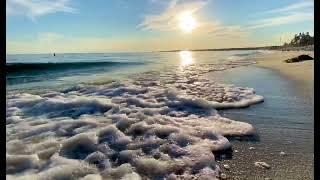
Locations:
187 22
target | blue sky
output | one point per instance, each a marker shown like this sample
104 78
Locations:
43 26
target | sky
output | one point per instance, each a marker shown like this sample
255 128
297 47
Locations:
82 26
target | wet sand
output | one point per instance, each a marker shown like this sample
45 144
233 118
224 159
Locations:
301 71
284 123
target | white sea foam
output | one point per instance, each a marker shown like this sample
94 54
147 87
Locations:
158 125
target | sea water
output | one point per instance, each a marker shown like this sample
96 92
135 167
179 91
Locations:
122 115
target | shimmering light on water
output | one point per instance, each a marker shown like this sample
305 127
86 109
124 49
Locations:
185 58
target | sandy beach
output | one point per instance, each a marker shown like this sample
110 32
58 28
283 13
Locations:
280 129
301 71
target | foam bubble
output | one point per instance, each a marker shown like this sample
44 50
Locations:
19 163
99 159
92 177
159 124
118 172
79 146
152 167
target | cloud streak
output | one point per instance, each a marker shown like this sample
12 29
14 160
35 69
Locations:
281 20
292 13
36 8
168 19
232 31
291 7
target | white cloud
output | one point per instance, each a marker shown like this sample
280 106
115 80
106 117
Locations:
35 8
168 19
281 20
233 31
296 6
292 13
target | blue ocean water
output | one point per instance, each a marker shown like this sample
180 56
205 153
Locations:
41 70
31 71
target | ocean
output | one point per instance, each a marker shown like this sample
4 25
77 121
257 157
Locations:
146 115
27 71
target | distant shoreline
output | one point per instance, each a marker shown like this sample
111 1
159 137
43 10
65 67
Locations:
279 48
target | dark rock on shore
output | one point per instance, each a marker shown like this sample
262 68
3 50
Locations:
299 59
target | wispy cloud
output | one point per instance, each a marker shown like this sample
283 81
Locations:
36 8
291 7
281 20
232 31
292 13
168 21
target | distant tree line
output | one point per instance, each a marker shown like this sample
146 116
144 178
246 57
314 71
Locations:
301 39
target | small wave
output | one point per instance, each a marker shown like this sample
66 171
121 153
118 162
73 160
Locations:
248 53
27 67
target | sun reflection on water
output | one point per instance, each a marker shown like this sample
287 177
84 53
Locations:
185 58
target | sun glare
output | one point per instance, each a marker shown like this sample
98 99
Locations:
185 58
187 22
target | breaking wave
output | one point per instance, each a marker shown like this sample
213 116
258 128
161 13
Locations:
158 125
27 67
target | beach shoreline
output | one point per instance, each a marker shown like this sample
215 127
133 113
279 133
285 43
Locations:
281 130
122 107
302 72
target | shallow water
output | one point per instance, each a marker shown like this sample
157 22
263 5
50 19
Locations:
285 115
284 122
153 119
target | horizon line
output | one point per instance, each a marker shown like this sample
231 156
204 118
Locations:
173 50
